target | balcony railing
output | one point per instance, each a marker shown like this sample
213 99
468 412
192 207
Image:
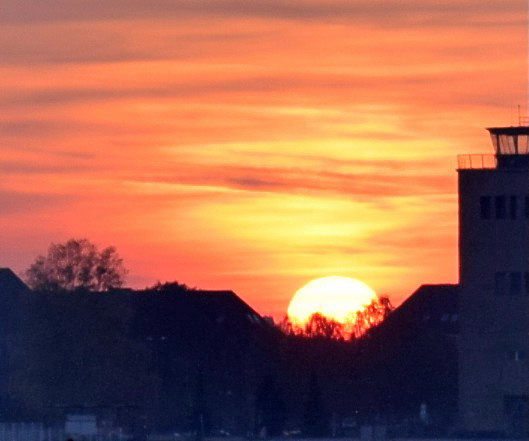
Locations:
476 161
523 120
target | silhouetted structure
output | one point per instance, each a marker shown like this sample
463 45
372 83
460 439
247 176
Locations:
212 332
410 360
174 358
270 408
429 308
494 285
12 292
314 418
11 286
204 361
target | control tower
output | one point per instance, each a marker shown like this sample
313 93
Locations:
494 284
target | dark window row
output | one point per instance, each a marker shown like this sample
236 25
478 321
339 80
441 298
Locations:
503 207
511 283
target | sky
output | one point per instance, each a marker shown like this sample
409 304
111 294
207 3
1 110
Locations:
252 145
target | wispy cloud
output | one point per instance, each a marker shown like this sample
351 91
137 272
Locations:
403 12
18 203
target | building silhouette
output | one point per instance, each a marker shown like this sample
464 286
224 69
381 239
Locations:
163 358
494 285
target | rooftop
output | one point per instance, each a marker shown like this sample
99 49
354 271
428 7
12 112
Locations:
511 151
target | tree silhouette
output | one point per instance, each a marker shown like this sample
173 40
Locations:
76 264
321 326
372 315
357 325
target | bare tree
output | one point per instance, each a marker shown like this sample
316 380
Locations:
77 264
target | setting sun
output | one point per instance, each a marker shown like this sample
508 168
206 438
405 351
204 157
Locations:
336 298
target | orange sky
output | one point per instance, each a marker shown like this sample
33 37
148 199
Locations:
251 145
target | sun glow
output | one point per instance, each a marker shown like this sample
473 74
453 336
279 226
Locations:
336 298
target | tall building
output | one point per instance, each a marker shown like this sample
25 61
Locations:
494 282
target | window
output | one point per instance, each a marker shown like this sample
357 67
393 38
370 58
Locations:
499 283
513 206
500 207
527 207
516 283
527 283
485 206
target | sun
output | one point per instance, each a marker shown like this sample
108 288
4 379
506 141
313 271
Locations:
334 297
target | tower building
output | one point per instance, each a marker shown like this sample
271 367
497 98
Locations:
494 285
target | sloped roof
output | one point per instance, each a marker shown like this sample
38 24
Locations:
11 289
180 313
412 354
10 283
431 306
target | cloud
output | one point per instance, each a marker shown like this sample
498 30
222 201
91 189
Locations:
231 139
40 128
331 86
400 13
361 186
32 168
28 203
254 183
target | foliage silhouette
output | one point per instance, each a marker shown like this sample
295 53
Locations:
76 264
171 287
319 326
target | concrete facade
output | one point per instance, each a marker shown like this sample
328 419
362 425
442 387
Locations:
494 283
